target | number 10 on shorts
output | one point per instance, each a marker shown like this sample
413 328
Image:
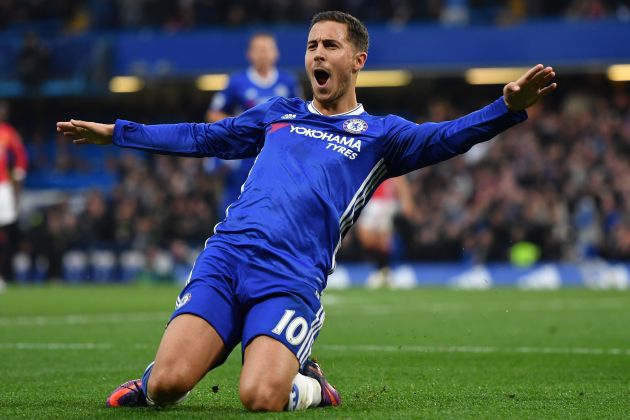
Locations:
296 328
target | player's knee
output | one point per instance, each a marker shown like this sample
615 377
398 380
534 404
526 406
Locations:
261 397
166 387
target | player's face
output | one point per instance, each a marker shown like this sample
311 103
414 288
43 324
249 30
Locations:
331 61
262 53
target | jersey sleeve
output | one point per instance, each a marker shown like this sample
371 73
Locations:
231 138
411 146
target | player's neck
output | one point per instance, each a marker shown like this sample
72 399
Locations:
262 80
339 106
263 72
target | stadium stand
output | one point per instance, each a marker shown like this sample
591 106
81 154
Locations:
81 15
554 189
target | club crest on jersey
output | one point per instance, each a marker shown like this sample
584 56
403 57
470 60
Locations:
181 301
355 126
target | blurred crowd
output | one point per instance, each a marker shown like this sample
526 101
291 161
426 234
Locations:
159 211
560 182
82 15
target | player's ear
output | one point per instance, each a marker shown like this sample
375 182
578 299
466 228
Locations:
359 61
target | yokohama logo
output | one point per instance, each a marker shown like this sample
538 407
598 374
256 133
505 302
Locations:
351 142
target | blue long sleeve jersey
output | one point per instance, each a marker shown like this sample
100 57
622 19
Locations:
313 173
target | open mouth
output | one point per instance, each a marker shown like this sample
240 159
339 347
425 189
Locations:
321 76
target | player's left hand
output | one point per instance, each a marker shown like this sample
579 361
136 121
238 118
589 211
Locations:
529 88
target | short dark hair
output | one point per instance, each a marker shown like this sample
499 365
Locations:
357 32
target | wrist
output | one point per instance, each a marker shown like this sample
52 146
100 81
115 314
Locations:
507 104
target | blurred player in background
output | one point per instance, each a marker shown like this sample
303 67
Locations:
13 166
375 227
261 81
260 277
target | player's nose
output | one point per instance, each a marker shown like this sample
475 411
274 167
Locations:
320 53
319 57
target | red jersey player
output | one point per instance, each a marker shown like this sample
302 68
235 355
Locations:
13 165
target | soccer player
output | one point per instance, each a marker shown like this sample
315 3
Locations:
261 81
375 227
13 166
260 277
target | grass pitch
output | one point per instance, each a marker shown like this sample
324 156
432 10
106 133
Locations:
392 354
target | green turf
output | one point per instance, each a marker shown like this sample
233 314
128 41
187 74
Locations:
393 354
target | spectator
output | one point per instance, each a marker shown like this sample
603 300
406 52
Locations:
375 227
33 61
13 166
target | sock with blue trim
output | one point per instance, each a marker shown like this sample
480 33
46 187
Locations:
305 393
145 383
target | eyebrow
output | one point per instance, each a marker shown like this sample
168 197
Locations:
326 40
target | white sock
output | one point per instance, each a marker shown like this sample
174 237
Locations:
152 403
305 393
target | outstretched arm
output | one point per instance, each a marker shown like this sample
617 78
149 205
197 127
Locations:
231 138
226 139
187 139
411 146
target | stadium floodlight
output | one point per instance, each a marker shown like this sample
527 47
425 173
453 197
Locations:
212 81
125 84
383 78
493 75
619 72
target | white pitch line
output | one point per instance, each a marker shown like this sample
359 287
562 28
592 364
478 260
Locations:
369 307
474 349
356 348
55 346
379 309
83 319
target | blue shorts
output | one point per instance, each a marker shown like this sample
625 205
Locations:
242 301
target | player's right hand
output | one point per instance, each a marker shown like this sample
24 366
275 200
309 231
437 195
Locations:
529 88
86 132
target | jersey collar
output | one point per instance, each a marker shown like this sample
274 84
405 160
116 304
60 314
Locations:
262 82
356 111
